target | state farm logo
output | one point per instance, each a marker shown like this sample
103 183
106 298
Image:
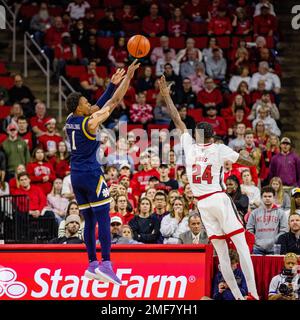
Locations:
9 286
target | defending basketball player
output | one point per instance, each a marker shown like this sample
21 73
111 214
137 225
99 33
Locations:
87 178
204 164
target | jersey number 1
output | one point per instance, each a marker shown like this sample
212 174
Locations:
73 140
198 177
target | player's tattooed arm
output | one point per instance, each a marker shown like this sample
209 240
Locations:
245 159
165 93
100 116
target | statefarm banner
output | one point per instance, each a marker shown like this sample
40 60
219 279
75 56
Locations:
51 272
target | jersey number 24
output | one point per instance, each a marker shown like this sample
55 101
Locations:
198 176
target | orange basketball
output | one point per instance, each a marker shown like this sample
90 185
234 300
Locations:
138 46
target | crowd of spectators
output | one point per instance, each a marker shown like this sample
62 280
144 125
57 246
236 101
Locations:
234 87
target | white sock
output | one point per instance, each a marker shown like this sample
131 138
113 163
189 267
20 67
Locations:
225 266
242 248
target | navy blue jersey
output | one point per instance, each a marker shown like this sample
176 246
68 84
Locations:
84 145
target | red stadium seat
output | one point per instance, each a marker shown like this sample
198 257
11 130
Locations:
3 69
28 10
75 71
154 42
56 11
201 42
177 43
99 14
4 111
197 28
113 3
196 114
102 71
7 82
223 42
105 43
131 28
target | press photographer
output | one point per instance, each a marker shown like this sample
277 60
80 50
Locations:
286 285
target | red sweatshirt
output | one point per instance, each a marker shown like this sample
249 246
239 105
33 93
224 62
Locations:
264 24
61 167
205 97
38 122
218 124
48 142
151 25
220 25
253 171
37 171
37 199
141 179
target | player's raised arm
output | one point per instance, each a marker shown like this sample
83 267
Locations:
165 93
116 78
245 159
100 116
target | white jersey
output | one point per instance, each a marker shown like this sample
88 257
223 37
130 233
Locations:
204 164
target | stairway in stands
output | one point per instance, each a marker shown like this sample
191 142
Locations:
36 80
290 60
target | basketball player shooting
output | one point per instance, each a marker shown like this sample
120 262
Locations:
90 188
204 164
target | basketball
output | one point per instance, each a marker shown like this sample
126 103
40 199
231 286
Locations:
138 46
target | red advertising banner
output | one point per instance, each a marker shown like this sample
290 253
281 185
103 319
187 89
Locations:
51 272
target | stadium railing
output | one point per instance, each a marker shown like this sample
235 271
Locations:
29 41
62 94
10 21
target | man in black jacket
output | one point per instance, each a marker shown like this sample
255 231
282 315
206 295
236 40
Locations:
290 241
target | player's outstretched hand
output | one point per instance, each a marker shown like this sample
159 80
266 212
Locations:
131 69
163 87
118 76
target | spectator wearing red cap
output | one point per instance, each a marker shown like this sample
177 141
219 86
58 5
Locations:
61 161
25 133
49 141
16 151
286 164
66 52
41 171
153 24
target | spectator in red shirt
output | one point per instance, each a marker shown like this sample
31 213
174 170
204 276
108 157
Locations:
177 26
37 199
229 171
141 112
218 123
153 24
210 95
121 208
38 121
25 133
265 24
142 177
238 117
66 53
91 83
118 54
196 10
61 161
241 23
243 90
238 102
40 171
49 141
221 24
14 182
266 55
54 33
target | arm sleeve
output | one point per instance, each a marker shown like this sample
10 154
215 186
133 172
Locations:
186 142
168 227
106 95
227 154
